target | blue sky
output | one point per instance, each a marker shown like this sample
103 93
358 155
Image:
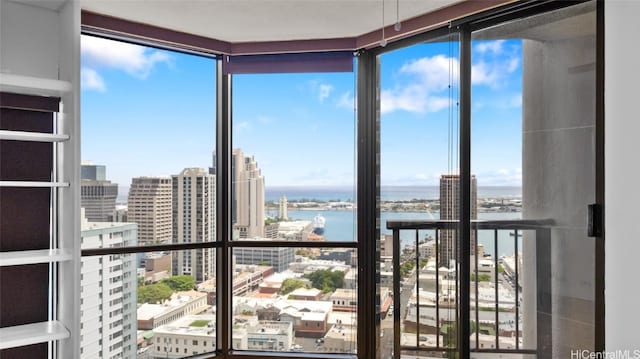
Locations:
152 112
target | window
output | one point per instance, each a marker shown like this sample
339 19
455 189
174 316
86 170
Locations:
137 206
293 182
285 164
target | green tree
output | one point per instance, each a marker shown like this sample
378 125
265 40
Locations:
291 284
326 279
180 283
154 293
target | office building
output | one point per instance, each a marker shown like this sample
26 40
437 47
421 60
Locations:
108 285
248 196
450 210
194 216
97 194
92 172
149 205
277 257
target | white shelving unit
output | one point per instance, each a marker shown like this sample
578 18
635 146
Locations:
16 258
32 136
35 333
49 66
37 86
33 184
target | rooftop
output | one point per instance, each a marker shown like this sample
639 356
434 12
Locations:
184 326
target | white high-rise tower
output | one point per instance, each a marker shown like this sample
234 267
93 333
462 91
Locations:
282 210
194 217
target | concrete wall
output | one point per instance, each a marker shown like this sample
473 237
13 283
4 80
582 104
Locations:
622 169
559 178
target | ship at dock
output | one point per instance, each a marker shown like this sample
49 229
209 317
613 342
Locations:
318 224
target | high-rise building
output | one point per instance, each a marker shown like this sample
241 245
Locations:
450 210
194 217
214 164
109 285
277 257
97 194
283 214
149 205
248 196
89 171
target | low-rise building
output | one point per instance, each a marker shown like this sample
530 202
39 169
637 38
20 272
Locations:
294 230
309 318
344 300
277 257
181 304
305 294
341 338
157 266
187 336
247 278
311 265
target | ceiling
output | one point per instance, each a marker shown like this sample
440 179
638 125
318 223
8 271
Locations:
239 21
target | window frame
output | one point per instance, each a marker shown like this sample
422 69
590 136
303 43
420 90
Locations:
368 170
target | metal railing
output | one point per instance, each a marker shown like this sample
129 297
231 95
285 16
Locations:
441 303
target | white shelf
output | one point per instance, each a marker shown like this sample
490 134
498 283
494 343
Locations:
32 136
32 184
28 334
29 85
16 258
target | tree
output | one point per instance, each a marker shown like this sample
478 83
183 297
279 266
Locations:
291 284
154 293
180 283
326 279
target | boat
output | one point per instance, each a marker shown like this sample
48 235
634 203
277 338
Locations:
318 224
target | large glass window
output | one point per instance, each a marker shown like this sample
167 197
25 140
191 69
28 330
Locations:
293 180
533 127
148 135
419 130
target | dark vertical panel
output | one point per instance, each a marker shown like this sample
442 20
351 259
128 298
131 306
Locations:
465 192
600 180
25 215
367 199
224 271
543 300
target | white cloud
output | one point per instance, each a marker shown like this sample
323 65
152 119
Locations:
515 101
91 80
493 46
416 179
501 177
242 126
265 120
323 176
347 101
135 60
430 77
324 90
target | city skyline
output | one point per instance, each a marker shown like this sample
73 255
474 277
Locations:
307 119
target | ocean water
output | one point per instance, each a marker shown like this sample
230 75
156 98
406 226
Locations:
387 193
341 226
346 193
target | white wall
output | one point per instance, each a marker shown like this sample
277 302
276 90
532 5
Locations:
622 196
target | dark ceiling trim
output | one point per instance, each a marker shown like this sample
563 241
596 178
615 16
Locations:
428 21
109 25
294 46
333 61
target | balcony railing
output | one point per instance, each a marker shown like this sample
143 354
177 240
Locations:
441 307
